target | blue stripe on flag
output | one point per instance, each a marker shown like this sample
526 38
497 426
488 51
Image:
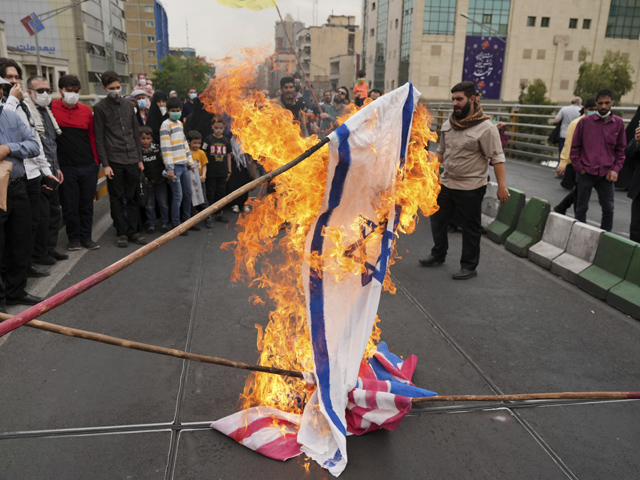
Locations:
316 302
407 115
397 387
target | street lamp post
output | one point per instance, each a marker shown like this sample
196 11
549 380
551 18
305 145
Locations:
37 21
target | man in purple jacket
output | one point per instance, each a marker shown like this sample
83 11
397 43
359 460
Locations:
597 154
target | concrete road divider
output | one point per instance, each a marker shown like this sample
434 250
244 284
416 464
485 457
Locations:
581 250
507 219
554 240
609 267
490 204
625 296
531 222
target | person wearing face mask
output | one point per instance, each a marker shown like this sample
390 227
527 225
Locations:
597 154
120 152
157 114
140 97
46 239
78 160
38 167
187 108
565 169
146 85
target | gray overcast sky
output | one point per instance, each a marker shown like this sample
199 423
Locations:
215 29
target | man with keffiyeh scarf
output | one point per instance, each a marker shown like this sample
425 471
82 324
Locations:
468 143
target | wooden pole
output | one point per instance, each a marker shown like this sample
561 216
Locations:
145 347
80 287
530 396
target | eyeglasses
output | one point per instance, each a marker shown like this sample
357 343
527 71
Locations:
43 90
342 92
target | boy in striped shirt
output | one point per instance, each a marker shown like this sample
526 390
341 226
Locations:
177 159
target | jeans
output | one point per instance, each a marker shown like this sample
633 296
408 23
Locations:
181 191
467 205
605 190
124 184
157 193
76 198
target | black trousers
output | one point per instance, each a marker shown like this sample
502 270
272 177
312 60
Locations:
216 190
33 192
467 204
15 241
49 224
124 184
634 227
76 198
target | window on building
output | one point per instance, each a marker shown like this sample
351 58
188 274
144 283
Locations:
352 44
396 23
493 14
586 24
531 21
151 38
439 17
148 9
573 23
153 67
373 32
149 23
624 20
373 6
544 22
151 53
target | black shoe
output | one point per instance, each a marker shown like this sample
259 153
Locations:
164 228
36 272
46 259
73 246
58 256
452 228
138 239
150 228
122 241
185 233
464 274
195 228
90 244
430 261
561 211
27 299
221 219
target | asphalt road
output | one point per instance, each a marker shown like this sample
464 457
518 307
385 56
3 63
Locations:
74 409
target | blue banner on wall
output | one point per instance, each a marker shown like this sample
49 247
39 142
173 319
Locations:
483 64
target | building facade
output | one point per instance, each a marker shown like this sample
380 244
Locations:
499 44
316 46
84 40
148 33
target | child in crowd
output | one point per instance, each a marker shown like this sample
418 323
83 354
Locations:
218 150
194 138
361 89
156 183
177 159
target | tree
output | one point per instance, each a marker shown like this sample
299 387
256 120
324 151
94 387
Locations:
535 94
613 73
180 74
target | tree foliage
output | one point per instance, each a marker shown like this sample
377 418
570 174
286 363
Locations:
613 73
535 94
180 74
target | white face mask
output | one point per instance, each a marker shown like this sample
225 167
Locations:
142 81
71 98
163 110
41 99
604 116
114 93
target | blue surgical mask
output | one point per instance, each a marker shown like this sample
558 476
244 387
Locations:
591 112
175 116
142 103
193 96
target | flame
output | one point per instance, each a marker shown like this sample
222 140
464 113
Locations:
270 248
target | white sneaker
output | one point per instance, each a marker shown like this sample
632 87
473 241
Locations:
246 208
235 209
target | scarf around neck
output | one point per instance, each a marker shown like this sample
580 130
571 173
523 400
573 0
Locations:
476 116
39 125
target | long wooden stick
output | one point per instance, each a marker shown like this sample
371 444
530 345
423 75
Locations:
145 347
529 396
80 287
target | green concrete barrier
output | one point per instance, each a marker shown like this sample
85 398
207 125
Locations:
609 267
531 222
625 296
507 219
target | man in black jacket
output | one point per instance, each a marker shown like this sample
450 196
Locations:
120 152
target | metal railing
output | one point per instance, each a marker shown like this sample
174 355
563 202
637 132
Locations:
527 131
